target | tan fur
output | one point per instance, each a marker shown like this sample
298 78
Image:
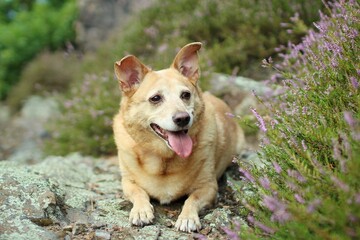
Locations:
148 166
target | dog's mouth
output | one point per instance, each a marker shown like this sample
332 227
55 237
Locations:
179 141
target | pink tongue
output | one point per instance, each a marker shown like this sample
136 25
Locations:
181 143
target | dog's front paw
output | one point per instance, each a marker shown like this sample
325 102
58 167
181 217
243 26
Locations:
188 223
141 215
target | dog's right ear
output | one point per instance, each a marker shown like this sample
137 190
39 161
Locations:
130 72
187 62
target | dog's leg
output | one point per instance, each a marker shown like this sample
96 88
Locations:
188 220
142 212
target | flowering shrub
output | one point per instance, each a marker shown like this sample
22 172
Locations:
310 188
236 33
155 36
85 124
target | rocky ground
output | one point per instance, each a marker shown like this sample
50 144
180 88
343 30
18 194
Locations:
80 197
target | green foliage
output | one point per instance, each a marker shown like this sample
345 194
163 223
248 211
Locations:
310 186
235 33
86 118
27 32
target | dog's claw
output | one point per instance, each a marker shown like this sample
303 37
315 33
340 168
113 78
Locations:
141 216
188 224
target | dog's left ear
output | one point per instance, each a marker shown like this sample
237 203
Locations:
130 72
187 62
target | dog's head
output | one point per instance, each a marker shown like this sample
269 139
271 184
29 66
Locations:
166 102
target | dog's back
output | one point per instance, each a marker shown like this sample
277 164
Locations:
229 136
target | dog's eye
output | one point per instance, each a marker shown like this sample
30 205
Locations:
185 95
155 99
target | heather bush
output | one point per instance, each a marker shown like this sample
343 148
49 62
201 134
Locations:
237 33
86 118
309 187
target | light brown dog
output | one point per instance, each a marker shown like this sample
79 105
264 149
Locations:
172 139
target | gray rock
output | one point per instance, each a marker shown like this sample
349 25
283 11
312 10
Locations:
37 110
97 19
80 197
237 91
102 235
222 83
27 203
219 218
24 133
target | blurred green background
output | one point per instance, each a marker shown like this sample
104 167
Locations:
67 49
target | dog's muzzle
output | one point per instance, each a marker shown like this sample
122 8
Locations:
178 141
181 119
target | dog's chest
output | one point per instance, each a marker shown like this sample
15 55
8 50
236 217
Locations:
163 179
157 166
165 188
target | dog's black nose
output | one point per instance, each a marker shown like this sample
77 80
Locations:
181 119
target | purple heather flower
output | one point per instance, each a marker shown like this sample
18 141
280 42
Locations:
260 119
281 216
352 33
247 175
272 203
354 82
228 114
277 167
231 234
299 198
321 27
349 119
292 185
340 184
305 110
280 48
278 209
295 174
334 63
318 166
260 225
352 218
162 48
295 18
273 122
313 205
151 31
265 183
266 141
